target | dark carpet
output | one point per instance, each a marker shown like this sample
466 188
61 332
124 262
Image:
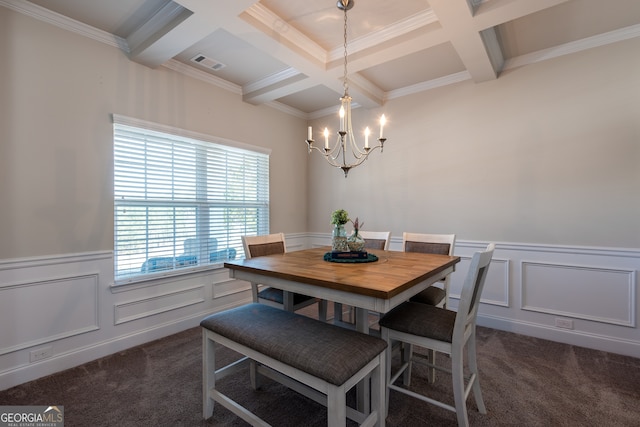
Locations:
525 381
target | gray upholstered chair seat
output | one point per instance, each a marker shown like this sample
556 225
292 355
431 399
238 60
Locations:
421 320
277 296
433 295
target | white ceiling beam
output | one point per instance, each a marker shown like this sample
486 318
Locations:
495 12
276 86
179 25
476 52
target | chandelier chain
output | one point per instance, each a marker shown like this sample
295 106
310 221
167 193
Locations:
345 84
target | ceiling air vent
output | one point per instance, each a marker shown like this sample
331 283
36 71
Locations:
208 62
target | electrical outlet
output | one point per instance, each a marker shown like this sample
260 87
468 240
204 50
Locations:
564 323
41 353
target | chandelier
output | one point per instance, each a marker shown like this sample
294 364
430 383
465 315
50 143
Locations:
337 155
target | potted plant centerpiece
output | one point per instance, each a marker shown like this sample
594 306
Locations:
355 241
339 236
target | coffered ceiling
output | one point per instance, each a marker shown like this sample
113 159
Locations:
289 54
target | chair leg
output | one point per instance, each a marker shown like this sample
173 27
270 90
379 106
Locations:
287 301
254 292
445 302
337 312
322 310
431 372
457 373
379 390
253 375
208 374
406 354
473 367
384 334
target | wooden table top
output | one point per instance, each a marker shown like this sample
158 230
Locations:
393 273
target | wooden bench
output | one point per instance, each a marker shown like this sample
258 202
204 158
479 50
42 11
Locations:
317 359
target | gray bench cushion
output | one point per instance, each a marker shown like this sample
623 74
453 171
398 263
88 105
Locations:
326 351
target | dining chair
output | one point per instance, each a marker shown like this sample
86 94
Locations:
442 244
270 244
444 331
372 240
376 239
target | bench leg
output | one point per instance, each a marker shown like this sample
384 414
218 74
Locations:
336 406
208 374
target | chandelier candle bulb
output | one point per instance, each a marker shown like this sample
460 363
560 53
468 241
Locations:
309 133
383 120
366 137
326 138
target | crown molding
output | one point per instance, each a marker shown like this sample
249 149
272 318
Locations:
604 39
288 110
272 79
190 71
428 85
66 23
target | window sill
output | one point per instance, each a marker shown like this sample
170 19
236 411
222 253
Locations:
154 279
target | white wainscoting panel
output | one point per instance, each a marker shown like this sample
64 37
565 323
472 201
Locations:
150 306
47 310
603 295
228 287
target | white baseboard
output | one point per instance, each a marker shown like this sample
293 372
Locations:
576 338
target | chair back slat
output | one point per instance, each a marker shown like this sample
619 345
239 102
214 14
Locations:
472 290
263 249
376 239
441 244
267 244
375 244
427 248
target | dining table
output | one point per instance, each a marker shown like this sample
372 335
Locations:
382 281
385 280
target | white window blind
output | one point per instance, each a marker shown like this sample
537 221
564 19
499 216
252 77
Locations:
181 203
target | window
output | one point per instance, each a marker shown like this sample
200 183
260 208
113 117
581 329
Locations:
183 200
